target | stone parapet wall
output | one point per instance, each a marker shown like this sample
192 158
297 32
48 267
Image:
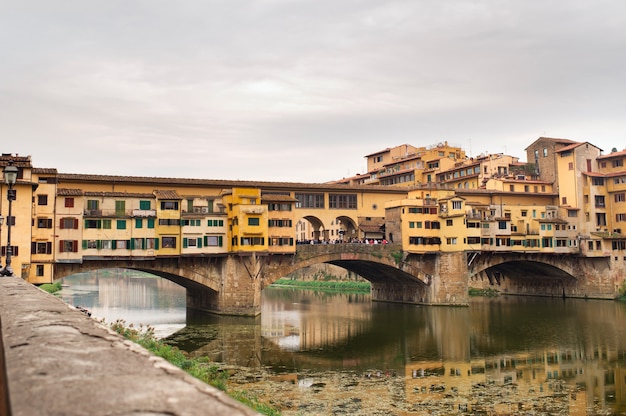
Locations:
59 361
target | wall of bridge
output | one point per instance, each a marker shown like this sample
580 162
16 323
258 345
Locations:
547 275
55 360
232 284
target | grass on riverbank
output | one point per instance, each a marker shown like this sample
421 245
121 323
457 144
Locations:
51 287
201 368
353 287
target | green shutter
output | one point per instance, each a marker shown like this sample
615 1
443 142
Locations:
84 244
156 243
199 242
150 222
184 242
219 241
114 244
138 223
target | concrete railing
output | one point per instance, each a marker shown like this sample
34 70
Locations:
55 360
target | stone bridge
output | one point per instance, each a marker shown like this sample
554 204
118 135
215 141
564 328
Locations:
232 284
566 275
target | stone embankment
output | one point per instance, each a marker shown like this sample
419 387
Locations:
56 360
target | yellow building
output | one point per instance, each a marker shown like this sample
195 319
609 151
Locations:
247 220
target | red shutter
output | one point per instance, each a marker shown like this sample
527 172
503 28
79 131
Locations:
75 246
76 223
62 225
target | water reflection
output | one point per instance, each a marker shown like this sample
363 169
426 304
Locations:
499 356
135 297
507 355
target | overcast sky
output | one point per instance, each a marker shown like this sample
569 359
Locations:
301 91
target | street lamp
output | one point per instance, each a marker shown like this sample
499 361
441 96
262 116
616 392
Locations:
1 222
10 177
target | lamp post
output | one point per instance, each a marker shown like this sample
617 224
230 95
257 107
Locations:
10 177
1 222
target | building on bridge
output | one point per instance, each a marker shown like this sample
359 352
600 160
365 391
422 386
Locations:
570 201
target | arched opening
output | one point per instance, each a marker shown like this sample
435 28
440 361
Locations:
311 229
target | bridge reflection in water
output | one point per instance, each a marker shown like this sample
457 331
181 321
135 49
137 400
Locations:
498 356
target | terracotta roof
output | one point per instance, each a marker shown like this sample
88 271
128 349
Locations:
69 192
45 171
117 194
552 139
222 183
167 194
18 161
614 154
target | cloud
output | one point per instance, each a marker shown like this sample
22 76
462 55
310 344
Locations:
301 90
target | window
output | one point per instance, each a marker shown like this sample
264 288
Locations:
40 270
121 224
215 223
451 241
564 200
150 222
570 166
599 201
512 188
524 213
92 204
169 221
168 242
457 204
284 241
449 223
68 246
280 223
545 152
169 205
41 247
106 224
93 224
107 245
254 221
618 163
213 241
597 181
137 244
144 205
621 197
502 225
620 217
120 208
69 223
138 223
347 201
69 202
42 199
44 222
310 201
252 241
120 244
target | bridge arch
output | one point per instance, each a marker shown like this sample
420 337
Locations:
532 273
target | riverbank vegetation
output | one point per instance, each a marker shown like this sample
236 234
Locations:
51 287
201 368
344 286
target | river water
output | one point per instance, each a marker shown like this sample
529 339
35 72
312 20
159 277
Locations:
315 353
